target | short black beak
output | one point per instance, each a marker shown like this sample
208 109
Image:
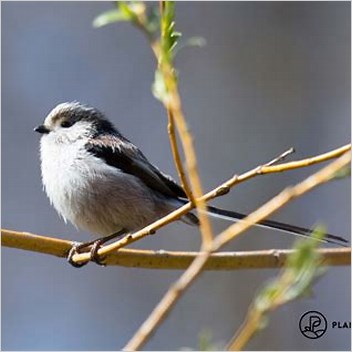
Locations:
41 129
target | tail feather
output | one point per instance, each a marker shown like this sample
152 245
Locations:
275 225
291 229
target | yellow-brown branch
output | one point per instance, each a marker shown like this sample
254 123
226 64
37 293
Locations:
171 260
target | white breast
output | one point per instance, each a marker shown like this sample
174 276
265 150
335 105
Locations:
59 173
93 195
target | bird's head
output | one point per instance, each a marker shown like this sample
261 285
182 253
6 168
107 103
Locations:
73 121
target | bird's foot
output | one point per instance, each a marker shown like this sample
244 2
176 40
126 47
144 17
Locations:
94 256
76 249
94 248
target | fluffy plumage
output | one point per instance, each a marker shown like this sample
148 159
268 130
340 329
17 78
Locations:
89 172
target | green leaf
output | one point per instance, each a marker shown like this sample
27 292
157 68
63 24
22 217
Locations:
301 270
343 173
196 41
132 9
159 87
266 295
206 341
169 36
191 42
111 16
126 11
205 338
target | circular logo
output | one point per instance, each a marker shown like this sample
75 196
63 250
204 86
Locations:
313 324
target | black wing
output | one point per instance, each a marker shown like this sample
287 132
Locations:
119 152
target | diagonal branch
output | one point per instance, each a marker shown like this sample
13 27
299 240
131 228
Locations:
174 293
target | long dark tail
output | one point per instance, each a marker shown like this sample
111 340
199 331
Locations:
270 224
291 229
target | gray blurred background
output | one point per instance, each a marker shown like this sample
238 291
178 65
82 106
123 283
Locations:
273 75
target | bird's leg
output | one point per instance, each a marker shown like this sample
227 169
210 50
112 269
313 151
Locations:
96 244
94 256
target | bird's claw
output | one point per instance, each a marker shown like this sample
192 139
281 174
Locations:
94 256
95 246
76 247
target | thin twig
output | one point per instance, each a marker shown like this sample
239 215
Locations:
178 288
192 168
177 158
281 199
251 322
218 191
170 260
281 157
306 162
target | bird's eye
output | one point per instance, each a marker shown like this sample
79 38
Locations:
66 124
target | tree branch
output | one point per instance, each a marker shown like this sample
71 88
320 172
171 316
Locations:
177 157
170 260
306 162
165 305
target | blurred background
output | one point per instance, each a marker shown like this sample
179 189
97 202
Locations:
272 75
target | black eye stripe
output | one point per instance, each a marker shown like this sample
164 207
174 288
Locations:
66 123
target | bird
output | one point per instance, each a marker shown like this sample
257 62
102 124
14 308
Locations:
102 183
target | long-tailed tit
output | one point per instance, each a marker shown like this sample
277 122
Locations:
101 182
